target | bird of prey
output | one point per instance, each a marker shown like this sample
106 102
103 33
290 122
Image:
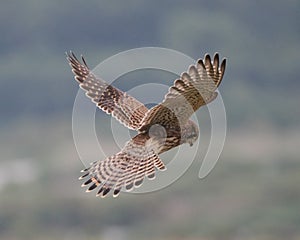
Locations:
161 128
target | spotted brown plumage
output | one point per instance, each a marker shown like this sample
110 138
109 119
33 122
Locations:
161 128
111 100
192 90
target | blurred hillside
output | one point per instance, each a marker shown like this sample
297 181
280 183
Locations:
253 193
261 42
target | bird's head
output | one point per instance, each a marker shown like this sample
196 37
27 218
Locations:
190 133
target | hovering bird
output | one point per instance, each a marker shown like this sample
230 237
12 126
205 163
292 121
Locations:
160 128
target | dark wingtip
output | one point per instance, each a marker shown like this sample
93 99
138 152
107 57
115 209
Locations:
99 192
92 187
129 186
86 183
216 56
83 176
72 57
151 176
207 58
138 183
83 60
105 192
116 192
201 63
223 65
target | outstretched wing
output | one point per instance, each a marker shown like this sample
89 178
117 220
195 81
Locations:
127 168
111 100
193 89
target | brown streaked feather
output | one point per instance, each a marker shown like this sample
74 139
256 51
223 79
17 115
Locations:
139 157
194 89
126 169
111 100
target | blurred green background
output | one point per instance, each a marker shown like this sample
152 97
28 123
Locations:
253 192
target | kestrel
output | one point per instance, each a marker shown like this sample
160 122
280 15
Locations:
161 128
